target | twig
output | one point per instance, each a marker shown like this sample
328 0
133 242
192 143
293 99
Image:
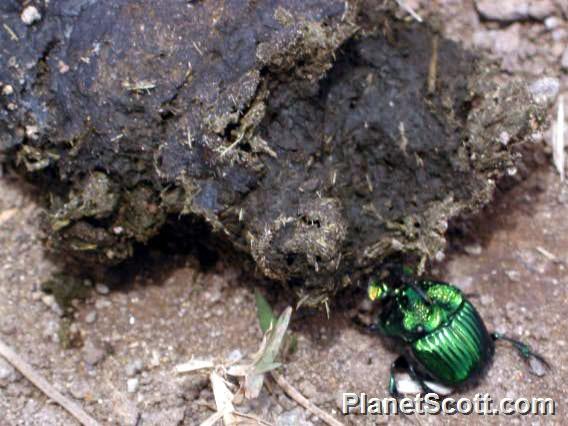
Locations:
232 146
43 385
403 138
139 86
547 254
11 33
197 48
303 401
433 67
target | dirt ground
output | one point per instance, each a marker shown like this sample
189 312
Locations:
128 339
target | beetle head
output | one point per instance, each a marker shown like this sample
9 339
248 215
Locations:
379 291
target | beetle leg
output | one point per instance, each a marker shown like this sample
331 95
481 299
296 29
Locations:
524 350
417 378
398 363
369 328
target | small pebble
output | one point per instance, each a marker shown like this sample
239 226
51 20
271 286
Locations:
169 416
48 300
79 389
63 67
91 317
102 289
473 249
8 328
36 295
102 304
513 275
464 283
92 354
155 360
134 367
7 90
552 22
191 386
32 131
537 367
545 90
514 10
234 356
132 385
366 305
308 389
294 417
30 15
8 374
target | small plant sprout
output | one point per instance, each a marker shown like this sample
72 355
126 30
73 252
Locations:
251 375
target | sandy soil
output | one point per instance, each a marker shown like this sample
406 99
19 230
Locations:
514 256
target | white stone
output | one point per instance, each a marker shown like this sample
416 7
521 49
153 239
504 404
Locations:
132 385
545 90
514 10
91 317
102 289
7 90
30 15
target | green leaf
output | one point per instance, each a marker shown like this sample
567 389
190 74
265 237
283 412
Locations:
292 344
264 312
408 271
276 335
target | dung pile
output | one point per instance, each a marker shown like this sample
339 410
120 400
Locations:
317 137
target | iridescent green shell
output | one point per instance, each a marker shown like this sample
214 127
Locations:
458 350
446 336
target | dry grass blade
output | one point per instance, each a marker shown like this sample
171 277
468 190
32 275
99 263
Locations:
275 337
193 365
223 399
29 373
6 215
251 376
264 360
547 254
11 33
232 146
409 10
212 420
558 139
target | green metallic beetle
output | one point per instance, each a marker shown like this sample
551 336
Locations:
444 338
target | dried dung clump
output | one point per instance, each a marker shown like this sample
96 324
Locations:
315 137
